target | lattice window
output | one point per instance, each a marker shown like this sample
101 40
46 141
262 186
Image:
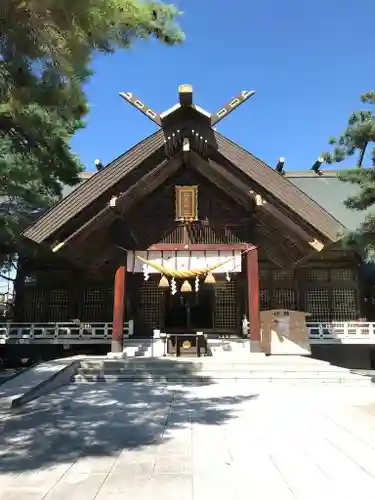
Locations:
108 305
33 301
150 303
264 299
280 275
317 302
318 275
342 275
97 305
226 305
284 298
58 305
344 304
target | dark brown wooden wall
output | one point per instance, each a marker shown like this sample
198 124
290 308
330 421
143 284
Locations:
153 221
56 291
330 290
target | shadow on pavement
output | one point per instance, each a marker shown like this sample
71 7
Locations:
103 419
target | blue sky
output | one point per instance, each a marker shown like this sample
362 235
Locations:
307 60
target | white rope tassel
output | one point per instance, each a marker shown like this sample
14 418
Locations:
227 277
197 284
173 286
146 274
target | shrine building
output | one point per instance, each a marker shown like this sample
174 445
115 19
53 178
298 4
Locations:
185 232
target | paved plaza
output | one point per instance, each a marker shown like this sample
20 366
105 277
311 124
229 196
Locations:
220 440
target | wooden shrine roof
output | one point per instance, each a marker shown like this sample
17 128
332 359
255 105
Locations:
94 188
136 173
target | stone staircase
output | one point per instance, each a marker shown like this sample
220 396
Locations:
229 347
257 367
134 347
218 347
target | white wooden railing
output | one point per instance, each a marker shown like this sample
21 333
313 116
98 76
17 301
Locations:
348 332
354 332
59 333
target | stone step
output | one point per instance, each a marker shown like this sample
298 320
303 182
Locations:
211 377
220 369
256 367
247 358
204 364
217 368
137 348
187 369
215 376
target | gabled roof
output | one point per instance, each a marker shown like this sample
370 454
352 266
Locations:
327 190
268 182
299 219
95 186
280 188
330 192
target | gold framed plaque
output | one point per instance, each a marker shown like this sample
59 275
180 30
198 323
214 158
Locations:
186 203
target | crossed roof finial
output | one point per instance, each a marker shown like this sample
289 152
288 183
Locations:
185 93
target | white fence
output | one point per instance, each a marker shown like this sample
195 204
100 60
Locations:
356 332
59 333
353 332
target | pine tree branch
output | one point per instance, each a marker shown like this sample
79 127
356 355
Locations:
362 155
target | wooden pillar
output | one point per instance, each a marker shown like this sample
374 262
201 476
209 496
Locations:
19 290
253 294
118 308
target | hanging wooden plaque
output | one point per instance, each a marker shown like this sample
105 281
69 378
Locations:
186 203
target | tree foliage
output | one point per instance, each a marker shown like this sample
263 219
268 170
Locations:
46 49
357 138
359 134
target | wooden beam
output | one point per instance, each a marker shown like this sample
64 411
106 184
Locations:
204 168
142 107
119 308
231 106
101 219
253 294
172 247
266 206
224 179
274 253
298 204
124 201
148 184
278 237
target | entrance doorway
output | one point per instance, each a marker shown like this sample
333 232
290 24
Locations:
189 312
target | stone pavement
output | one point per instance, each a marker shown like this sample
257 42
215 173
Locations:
5 374
219 441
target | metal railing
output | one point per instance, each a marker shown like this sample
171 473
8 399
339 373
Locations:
59 333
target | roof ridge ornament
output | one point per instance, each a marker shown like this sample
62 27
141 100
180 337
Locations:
185 97
142 107
231 106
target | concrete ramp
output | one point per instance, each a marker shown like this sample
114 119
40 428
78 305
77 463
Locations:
37 381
